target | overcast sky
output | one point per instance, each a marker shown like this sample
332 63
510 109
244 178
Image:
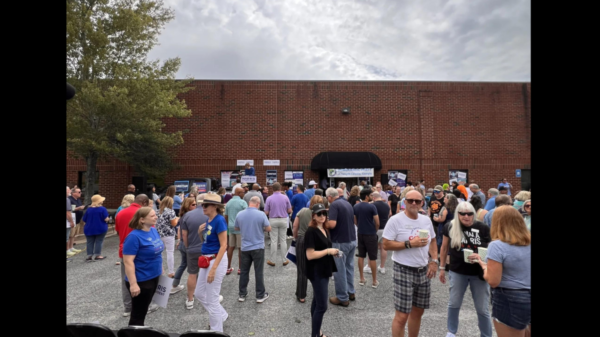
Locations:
429 40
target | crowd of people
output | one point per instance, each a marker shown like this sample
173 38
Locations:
448 229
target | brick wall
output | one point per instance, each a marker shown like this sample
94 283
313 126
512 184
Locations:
426 128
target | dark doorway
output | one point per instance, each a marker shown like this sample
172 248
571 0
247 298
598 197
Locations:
525 180
140 185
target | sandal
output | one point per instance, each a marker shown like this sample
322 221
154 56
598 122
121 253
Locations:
301 300
229 271
100 258
362 282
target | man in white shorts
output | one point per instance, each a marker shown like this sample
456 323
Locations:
413 269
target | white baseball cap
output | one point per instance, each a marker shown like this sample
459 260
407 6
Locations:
312 182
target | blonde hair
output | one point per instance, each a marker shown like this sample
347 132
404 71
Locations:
317 199
140 214
456 234
167 202
523 195
355 191
509 226
127 200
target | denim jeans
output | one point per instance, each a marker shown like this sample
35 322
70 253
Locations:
257 257
480 290
94 244
344 277
319 303
182 266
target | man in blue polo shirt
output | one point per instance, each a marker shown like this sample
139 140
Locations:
298 201
310 192
252 223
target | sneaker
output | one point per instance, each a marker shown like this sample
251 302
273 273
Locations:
127 314
75 250
270 263
69 254
189 304
177 289
367 270
220 298
241 298
152 308
381 270
450 334
260 300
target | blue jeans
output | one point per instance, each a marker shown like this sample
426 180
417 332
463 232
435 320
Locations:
94 244
182 266
344 277
439 237
319 303
480 290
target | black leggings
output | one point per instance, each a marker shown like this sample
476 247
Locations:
319 303
140 303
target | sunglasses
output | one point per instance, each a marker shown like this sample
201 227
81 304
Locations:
205 205
413 201
321 214
467 213
193 205
436 191
527 206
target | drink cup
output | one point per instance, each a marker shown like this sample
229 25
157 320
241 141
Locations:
482 253
73 208
423 233
467 253
339 254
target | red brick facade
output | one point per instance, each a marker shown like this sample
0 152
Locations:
426 128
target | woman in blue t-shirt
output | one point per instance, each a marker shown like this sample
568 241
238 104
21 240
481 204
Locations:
95 220
214 247
142 255
508 271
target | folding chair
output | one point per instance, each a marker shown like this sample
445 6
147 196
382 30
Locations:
88 330
203 333
141 331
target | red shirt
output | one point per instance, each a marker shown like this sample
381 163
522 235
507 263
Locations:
122 224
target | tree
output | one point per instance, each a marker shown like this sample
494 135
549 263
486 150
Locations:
121 96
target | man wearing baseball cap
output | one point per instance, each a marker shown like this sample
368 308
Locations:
310 192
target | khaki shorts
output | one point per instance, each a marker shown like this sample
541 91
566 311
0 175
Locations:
235 240
75 230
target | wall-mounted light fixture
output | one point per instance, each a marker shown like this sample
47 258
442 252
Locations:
346 111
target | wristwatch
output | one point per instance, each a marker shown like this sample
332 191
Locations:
436 261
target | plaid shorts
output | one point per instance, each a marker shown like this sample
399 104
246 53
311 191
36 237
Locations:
411 288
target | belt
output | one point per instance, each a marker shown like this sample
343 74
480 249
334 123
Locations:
210 255
417 269
508 289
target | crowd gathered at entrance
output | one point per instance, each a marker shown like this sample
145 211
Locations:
454 232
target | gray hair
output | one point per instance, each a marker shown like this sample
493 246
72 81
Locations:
255 200
342 184
331 192
376 196
475 186
494 191
525 203
456 234
523 195
200 197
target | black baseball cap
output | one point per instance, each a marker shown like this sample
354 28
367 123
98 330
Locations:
318 208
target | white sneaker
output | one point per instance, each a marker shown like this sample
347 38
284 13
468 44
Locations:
189 304
177 289
220 298
152 308
126 314
367 270
450 334
75 250
381 270
264 298
69 254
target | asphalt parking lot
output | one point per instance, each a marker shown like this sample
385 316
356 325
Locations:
94 295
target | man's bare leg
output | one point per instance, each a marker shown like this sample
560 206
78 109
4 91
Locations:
414 321
399 323
191 286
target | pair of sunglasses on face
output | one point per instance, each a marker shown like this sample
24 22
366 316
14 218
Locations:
466 213
321 214
412 201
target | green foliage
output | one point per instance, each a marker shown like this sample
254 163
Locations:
121 96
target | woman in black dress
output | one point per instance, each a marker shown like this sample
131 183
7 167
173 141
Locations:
319 265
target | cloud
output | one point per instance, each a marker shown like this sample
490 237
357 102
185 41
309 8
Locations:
437 40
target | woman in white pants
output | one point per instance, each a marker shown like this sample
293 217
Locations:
165 225
214 248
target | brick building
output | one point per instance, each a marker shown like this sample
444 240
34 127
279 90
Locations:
424 128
